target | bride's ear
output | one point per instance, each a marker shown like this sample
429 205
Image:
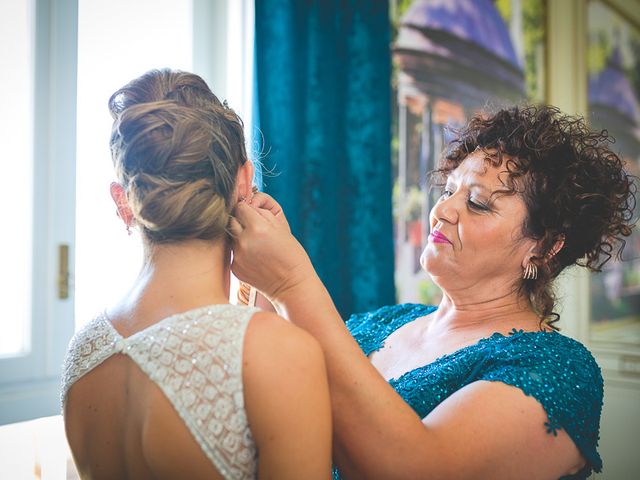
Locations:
244 181
119 197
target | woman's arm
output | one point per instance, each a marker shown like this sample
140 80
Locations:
376 434
287 400
373 426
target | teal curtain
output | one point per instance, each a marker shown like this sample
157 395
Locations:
322 107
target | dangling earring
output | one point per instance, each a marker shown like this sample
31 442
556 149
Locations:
254 190
127 219
530 271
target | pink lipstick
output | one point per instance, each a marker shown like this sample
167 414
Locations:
437 237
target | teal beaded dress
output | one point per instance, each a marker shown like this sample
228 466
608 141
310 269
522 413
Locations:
557 371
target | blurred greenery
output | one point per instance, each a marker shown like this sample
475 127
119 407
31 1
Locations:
429 293
598 51
533 25
634 69
504 7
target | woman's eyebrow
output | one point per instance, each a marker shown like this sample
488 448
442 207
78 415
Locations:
481 186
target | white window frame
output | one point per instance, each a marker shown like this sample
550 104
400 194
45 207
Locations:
30 383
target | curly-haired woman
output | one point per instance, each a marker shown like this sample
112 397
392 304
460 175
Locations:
483 385
172 381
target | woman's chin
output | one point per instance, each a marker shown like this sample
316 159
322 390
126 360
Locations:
433 262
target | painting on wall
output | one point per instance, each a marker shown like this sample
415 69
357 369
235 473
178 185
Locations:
613 60
452 58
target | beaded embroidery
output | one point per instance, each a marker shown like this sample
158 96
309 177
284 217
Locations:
559 372
196 359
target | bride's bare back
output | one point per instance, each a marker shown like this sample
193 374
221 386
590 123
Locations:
120 425
169 401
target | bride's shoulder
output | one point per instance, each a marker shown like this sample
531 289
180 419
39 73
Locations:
284 376
273 341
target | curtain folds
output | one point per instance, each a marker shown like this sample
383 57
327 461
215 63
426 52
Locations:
323 104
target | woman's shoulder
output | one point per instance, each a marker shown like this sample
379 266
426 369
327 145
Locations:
559 372
551 351
551 357
370 329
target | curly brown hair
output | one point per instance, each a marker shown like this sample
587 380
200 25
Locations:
574 187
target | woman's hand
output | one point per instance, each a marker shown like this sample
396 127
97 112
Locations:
265 253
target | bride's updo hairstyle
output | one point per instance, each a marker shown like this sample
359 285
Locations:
176 150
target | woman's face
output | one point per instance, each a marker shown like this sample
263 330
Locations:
476 231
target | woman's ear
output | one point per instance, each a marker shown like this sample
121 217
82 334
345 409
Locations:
534 251
123 210
556 247
530 253
244 181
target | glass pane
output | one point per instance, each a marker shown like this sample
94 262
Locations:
433 47
16 134
117 41
614 104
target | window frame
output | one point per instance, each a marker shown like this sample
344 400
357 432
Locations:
30 383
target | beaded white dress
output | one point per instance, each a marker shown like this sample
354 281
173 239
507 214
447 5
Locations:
195 358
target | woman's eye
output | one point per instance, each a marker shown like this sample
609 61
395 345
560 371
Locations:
446 193
478 206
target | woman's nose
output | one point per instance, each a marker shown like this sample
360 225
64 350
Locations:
445 209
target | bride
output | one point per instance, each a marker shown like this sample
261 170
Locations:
173 381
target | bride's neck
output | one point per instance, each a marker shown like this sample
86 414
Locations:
181 276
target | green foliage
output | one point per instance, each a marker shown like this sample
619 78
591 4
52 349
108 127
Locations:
429 292
412 206
504 8
533 24
633 71
402 6
397 9
598 51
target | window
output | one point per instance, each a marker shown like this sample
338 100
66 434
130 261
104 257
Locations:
150 34
436 90
43 128
68 56
15 250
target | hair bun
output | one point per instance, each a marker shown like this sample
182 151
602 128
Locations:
177 151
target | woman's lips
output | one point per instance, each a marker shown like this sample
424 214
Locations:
437 237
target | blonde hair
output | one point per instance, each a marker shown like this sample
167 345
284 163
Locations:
176 150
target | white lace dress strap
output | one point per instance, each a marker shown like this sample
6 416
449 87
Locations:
195 358
88 348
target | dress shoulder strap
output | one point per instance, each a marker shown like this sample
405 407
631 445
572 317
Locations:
88 348
196 358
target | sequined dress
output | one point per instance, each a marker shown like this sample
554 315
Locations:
559 372
195 358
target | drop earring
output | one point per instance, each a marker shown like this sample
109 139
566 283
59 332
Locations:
530 271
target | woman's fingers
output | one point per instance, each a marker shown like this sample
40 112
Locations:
267 202
247 215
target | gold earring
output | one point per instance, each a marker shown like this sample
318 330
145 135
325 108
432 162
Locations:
530 271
